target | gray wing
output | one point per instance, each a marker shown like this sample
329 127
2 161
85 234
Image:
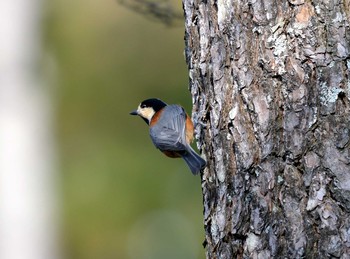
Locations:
169 132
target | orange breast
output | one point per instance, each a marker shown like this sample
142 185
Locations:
189 129
156 117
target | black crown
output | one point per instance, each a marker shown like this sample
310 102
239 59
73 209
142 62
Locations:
154 103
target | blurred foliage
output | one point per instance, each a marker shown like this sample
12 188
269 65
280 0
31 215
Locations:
121 198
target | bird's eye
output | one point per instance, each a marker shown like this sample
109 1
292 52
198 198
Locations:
143 106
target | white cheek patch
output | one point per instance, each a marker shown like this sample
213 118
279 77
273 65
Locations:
146 113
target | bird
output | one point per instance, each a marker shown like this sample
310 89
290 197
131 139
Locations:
171 131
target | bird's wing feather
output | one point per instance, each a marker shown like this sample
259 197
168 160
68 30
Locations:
169 131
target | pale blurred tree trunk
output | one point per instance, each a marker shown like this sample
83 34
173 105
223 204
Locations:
27 202
271 87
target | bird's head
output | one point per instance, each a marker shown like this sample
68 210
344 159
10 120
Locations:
148 108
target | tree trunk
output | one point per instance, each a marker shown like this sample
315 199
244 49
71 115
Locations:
270 82
28 211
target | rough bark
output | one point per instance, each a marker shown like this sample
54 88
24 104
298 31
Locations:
270 82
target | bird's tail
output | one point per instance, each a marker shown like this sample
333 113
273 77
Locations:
193 160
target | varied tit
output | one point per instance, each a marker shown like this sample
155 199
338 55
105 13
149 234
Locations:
171 131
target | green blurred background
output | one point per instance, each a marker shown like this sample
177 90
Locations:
121 198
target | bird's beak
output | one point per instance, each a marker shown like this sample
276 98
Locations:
134 113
